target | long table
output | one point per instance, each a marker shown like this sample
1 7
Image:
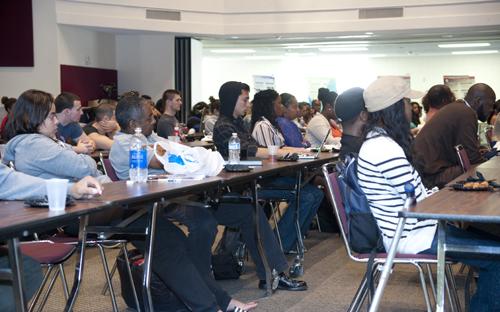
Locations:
17 221
450 205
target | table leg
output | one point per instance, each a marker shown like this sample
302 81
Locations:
16 265
384 277
260 247
82 242
441 265
150 236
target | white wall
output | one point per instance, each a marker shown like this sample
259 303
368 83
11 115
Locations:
84 47
145 63
45 74
293 75
196 72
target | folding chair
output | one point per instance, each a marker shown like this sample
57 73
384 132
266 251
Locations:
463 157
108 168
417 260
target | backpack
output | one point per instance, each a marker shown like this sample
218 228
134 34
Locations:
363 233
228 258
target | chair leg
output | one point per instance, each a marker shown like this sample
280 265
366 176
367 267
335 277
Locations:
105 287
273 212
453 288
359 296
108 278
431 281
424 287
129 273
40 289
317 223
63 281
49 290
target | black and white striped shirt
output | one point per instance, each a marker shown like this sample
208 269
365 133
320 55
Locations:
383 170
266 134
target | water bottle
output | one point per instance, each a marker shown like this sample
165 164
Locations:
234 149
177 134
138 157
411 200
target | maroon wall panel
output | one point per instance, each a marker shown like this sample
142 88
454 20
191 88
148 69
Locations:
86 81
16 33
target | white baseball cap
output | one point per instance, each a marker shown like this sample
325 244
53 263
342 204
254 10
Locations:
386 91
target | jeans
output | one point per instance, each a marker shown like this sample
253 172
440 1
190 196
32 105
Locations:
487 294
310 199
242 216
177 263
32 276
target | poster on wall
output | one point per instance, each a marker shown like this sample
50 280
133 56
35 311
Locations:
261 82
459 84
320 82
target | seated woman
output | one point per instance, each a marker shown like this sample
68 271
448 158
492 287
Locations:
266 106
33 147
289 129
211 115
102 130
385 166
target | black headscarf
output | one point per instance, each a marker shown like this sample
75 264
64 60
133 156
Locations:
228 95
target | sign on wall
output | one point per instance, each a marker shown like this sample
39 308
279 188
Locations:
261 82
459 84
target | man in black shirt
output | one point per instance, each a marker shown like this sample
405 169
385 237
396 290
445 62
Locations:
350 109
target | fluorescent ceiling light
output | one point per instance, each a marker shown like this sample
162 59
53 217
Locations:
337 49
327 43
263 57
339 46
233 51
474 52
301 54
354 36
464 45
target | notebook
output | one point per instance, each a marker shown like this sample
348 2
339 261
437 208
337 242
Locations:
316 155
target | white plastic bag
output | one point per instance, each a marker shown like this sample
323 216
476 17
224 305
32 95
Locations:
182 159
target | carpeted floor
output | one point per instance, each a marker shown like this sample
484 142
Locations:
331 276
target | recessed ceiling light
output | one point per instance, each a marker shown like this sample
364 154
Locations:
233 51
464 45
337 49
474 52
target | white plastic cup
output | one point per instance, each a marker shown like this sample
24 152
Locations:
272 151
57 189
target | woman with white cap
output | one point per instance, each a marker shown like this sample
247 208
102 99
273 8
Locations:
385 166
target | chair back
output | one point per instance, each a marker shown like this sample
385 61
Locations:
333 194
463 157
108 168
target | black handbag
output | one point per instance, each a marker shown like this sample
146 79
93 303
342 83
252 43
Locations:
228 259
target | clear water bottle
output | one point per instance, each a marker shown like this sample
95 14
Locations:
234 149
138 157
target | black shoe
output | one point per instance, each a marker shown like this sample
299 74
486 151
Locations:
286 283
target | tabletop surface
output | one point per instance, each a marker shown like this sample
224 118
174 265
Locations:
448 204
15 216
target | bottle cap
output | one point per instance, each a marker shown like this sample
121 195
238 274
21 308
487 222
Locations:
234 133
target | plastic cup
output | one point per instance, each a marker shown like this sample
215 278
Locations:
272 151
57 190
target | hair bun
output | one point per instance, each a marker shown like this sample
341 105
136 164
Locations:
5 99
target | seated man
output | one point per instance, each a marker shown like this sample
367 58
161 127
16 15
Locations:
19 186
456 123
436 98
172 103
102 130
350 110
68 112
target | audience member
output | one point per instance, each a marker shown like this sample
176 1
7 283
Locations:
305 115
385 166
436 98
156 113
68 113
172 103
350 110
289 129
33 146
102 130
416 113
315 107
194 121
211 116
7 103
318 126
456 123
265 130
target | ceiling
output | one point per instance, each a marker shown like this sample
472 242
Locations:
411 43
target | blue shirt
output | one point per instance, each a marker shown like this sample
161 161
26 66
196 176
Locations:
69 133
291 132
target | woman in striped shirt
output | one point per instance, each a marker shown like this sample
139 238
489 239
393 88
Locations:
266 108
384 167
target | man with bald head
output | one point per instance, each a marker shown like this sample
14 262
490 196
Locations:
434 155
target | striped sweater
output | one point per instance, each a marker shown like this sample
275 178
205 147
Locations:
383 170
266 134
